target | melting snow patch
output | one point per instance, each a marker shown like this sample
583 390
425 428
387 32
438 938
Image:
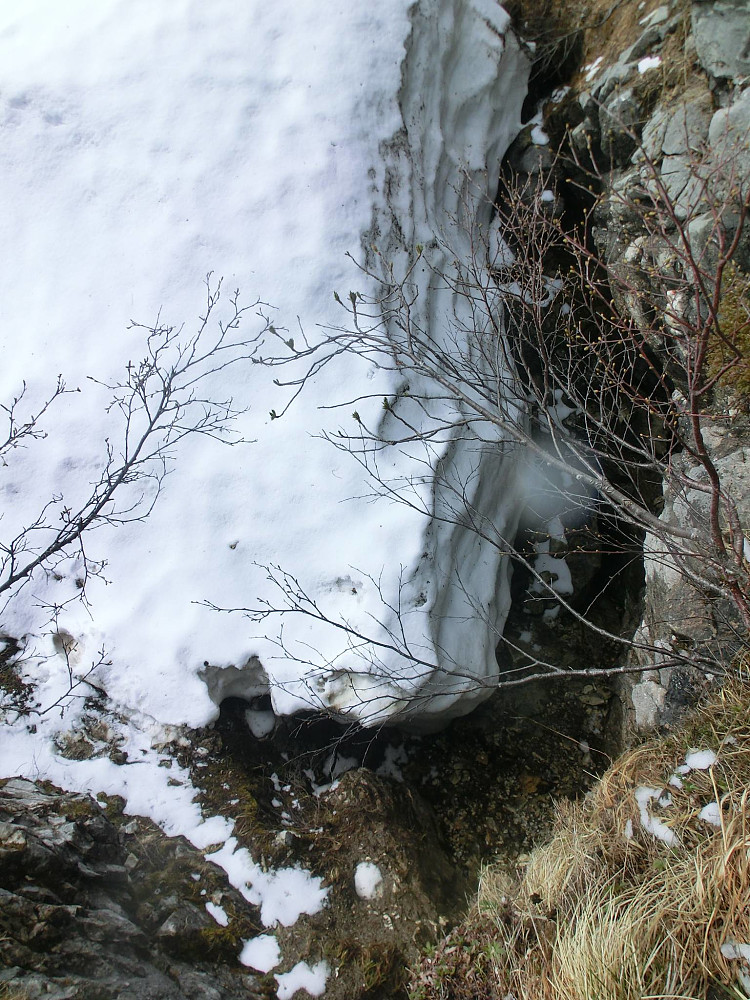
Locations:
283 895
555 527
559 411
260 723
593 68
557 568
336 765
218 913
368 880
735 949
711 814
649 62
652 825
261 953
499 254
391 759
302 977
254 104
700 760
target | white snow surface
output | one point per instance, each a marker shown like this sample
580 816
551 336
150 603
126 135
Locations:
218 913
648 62
303 977
700 760
261 953
283 894
145 145
368 880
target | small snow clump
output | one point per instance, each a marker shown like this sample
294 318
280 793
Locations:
218 913
261 953
711 814
700 760
302 977
368 880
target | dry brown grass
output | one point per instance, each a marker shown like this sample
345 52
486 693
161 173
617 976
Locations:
614 912
10 992
606 910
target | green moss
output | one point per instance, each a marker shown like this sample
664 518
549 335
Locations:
113 808
461 967
81 808
729 350
379 968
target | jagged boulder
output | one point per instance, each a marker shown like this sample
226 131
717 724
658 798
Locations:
88 910
722 37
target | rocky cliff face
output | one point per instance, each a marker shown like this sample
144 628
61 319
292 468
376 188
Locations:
657 117
93 906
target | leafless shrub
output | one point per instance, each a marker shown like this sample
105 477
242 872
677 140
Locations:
162 399
603 369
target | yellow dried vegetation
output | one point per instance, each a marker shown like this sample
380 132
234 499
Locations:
644 889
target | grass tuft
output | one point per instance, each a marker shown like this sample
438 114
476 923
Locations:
606 908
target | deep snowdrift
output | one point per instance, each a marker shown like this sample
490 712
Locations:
147 144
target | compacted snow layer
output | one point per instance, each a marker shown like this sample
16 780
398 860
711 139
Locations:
145 145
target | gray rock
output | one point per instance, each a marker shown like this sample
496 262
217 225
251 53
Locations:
687 127
722 37
729 139
648 701
584 137
646 43
186 920
620 121
611 79
76 924
658 16
654 132
684 185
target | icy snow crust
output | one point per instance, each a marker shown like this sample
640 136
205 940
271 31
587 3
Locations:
147 144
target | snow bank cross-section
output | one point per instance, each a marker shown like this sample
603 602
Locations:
145 145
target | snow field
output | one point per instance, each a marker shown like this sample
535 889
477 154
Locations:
144 146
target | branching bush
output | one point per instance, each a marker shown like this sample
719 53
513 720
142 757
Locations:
603 368
162 399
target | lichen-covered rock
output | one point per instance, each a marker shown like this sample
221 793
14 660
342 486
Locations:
89 911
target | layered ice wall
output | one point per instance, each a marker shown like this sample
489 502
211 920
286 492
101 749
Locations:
144 145
464 80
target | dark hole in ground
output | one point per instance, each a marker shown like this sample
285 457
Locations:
491 778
